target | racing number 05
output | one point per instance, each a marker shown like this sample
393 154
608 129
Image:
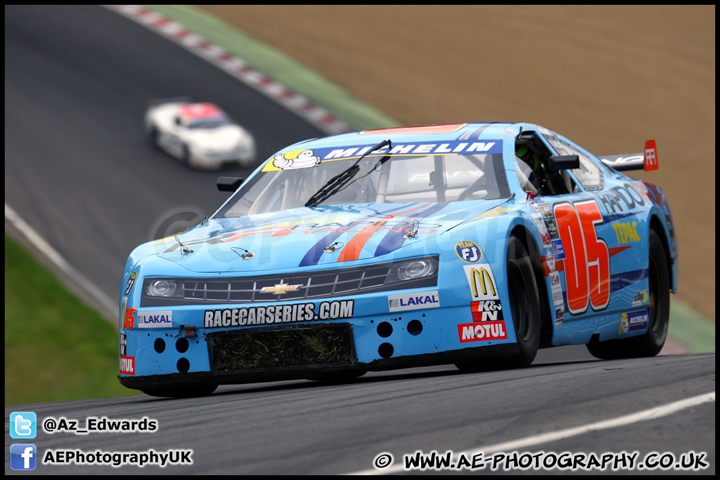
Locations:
587 258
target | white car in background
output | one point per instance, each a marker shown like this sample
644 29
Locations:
198 133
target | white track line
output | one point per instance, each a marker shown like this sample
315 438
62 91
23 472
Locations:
649 414
45 248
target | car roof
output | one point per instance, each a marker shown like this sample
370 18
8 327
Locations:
199 111
441 133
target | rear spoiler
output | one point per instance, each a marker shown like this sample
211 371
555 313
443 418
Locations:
634 161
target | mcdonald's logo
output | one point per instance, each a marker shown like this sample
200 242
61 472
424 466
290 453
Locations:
482 282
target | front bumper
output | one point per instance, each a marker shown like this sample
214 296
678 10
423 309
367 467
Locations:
216 159
166 357
272 374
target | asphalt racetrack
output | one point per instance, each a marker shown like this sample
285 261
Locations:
79 167
81 172
310 428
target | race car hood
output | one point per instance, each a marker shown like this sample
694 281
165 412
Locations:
306 237
220 138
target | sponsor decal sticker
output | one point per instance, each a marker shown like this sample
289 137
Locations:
310 158
486 311
542 229
275 314
626 232
558 246
294 160
620 199
129 318
482 282
158 319
545 236
130 283
413 301
468 251
630 322
538 219
482 331
550 259
556 288
546 210
127 365
122 313
650 160
123 344
552 228
641 297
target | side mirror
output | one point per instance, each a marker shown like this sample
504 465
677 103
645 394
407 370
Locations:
229 184
563 162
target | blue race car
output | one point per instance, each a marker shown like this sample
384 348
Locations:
469 244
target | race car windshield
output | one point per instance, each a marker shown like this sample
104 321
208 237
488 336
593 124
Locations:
207 123
380 179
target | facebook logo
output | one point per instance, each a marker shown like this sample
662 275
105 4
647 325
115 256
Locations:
23 456
23 425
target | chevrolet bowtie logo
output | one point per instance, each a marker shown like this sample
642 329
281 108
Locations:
280 289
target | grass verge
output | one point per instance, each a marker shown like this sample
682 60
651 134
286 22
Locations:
56 347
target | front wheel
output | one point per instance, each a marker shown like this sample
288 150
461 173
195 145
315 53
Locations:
185 155
155 137
650 343
525 310
524 304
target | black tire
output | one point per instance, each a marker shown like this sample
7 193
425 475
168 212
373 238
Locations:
185 155
649 344
180 392
525 309
154 138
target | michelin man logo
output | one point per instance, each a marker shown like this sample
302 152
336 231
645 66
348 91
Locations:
624 324
292 160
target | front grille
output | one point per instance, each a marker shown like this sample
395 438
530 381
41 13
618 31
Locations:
249 290
288 347
311 285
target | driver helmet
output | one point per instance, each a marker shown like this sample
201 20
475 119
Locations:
527 155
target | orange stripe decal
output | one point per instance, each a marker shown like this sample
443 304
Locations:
615 250
355 245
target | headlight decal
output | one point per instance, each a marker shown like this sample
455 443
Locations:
416 269
161 288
